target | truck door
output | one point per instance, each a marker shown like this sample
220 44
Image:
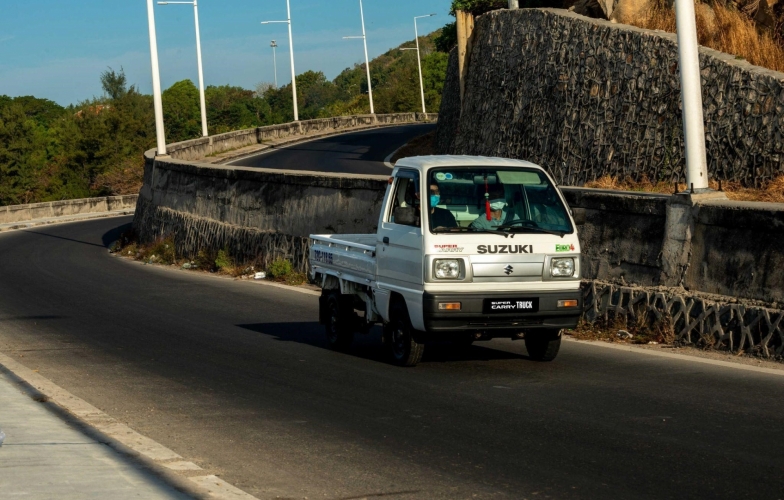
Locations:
399 247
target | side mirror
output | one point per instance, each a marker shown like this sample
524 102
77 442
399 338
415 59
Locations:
406 216
579 216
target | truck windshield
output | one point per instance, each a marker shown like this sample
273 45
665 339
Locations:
494 199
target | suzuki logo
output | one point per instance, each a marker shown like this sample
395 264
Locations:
508 270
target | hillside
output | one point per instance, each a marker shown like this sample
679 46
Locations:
50 152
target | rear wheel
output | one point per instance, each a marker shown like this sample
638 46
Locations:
339 322
543 345
404 350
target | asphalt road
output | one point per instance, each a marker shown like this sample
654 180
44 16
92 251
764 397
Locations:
235 376
355 153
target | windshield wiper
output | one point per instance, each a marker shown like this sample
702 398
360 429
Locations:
528 224
459 229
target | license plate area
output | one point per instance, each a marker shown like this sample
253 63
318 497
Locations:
511 306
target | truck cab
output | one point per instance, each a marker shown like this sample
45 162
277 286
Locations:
467 248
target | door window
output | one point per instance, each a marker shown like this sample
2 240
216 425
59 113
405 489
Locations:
405 200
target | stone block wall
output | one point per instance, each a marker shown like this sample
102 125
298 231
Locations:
587 98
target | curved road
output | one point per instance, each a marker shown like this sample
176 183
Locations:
354 153
235 376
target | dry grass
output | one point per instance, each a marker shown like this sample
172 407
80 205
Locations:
643 330
725 29
419 146
773 192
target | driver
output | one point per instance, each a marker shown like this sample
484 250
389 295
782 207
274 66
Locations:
499 212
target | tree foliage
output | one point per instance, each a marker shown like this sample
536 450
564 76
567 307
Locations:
478 7
94 148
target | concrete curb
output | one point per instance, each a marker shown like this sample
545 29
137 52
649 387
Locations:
146 453
13 226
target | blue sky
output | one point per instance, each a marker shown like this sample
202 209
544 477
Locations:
57 49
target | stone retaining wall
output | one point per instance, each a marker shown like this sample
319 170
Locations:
23 213
588 98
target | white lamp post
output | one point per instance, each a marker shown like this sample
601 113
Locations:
274 45
367 62
291 52
156 81
419 60
204 131
691 95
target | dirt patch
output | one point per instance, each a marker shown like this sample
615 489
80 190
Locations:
771 192
419 146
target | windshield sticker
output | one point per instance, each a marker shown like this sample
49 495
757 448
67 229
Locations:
448 248
441 176
449 177
564 248
505 249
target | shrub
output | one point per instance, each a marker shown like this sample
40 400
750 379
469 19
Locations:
279 269
223 261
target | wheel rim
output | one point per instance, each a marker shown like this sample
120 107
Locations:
398 342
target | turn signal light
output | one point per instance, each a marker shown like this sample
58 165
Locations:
567 303
449 306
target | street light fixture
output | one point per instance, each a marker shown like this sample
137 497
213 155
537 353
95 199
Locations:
419 60
156 81
274 45
204 131
291 52
367 62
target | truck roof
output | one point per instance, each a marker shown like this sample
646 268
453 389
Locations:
426 162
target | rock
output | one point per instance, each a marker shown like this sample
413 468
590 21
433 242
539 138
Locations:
623 334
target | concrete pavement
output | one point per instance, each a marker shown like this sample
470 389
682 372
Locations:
45 457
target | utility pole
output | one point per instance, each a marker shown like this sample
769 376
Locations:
367 61
202 101
274 45
691 96
156 81
291 52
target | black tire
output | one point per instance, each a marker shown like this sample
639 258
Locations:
339 324
403 349
543 345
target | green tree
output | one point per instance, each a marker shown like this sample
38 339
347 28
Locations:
181 111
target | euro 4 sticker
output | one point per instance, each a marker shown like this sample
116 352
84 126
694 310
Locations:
564 248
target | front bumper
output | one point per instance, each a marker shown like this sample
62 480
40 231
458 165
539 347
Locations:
471 318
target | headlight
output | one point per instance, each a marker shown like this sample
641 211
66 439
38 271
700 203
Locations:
447 269
562 268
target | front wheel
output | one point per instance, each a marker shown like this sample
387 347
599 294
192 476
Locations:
404 350
543 345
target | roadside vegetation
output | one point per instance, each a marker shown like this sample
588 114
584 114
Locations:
770 192
163 252
50 152
642 330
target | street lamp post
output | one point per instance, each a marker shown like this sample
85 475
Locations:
156 81
367 62
691 95
204 131
419 60
274 45
291 52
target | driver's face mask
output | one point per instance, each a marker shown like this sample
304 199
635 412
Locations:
497 204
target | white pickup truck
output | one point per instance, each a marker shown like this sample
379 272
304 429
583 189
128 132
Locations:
467 248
